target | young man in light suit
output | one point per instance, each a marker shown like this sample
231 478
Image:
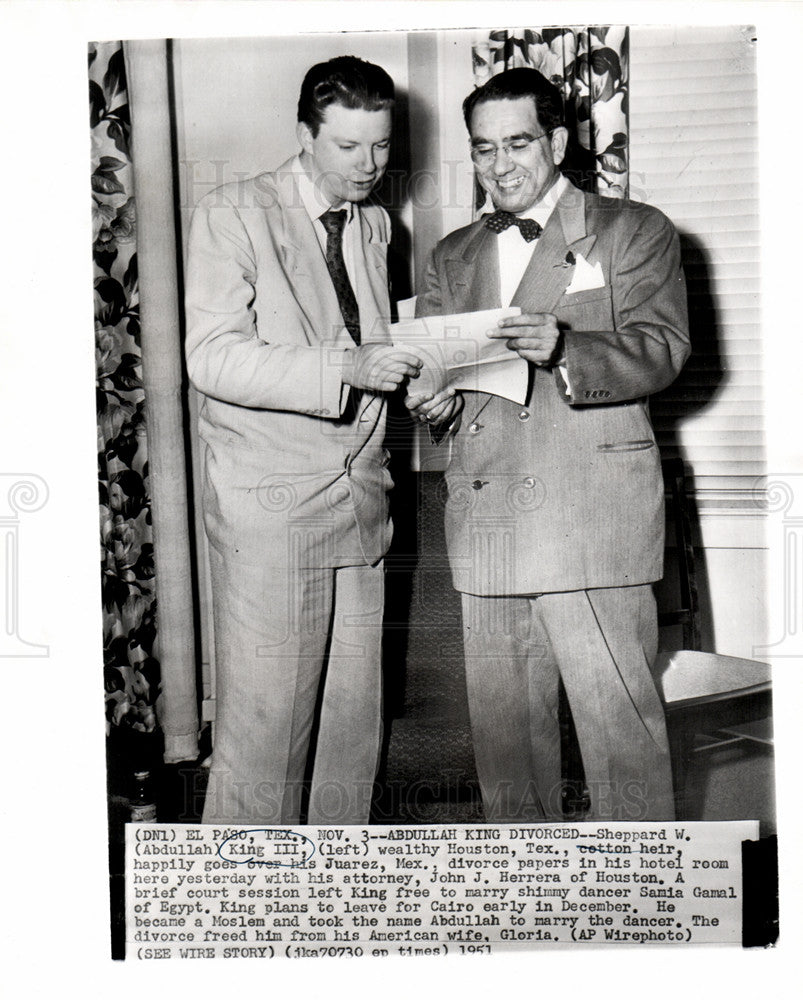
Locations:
555 520
287 313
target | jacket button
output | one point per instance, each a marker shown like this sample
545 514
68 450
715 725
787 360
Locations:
524 415
474 428
529 482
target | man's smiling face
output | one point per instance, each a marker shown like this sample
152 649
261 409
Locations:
515 178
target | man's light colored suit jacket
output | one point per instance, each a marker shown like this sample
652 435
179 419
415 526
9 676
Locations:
565 492
294 461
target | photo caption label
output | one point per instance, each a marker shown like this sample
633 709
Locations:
244 892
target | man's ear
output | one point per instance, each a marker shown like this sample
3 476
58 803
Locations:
305 136
559 140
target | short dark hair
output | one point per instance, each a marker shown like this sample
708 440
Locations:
513 84
345 80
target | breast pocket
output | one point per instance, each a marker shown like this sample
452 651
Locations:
587 295
591 309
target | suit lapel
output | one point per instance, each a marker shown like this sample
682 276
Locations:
371 281
473 277
371 290
546 279
309 275
473 274
306 265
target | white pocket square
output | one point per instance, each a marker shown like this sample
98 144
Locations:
586 276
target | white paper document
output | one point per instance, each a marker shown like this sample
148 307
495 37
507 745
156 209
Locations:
457 353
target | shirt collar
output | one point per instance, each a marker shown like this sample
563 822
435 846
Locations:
312 198
542 209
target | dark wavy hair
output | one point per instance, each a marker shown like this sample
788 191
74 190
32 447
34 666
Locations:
345 80
513 84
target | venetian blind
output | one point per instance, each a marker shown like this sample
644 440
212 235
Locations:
694 154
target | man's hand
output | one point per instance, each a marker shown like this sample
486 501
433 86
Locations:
533 336
435 408
379 367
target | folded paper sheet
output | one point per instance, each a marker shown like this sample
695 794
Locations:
457 353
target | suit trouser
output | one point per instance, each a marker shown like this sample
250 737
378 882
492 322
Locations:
277 630
601 643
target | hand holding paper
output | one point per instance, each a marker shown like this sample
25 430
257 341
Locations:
378 367
458 354
434 408
533 336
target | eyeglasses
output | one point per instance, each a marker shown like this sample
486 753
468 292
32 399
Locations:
484 154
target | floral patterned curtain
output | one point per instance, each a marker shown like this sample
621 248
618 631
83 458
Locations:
129 602
590 67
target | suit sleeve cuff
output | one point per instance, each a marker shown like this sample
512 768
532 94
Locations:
334 391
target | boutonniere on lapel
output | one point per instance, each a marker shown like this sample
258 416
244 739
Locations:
568 261
585 276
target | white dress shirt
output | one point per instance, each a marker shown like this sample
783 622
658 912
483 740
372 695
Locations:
515 252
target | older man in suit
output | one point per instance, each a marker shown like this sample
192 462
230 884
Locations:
287 313
555 511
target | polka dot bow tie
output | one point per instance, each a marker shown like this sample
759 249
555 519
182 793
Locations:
498 222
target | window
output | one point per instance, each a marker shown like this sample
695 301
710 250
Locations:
694 154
